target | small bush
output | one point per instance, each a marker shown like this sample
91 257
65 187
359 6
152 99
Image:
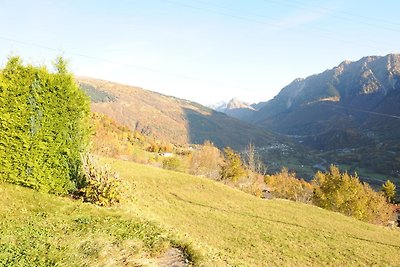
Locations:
172 163
100 185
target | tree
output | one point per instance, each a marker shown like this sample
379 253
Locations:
344 193
285 185
206 161
44 119
232 167
253 161
389 191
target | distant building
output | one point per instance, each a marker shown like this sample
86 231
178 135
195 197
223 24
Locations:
167 154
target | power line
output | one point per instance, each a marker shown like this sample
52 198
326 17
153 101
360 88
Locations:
181 76
326 34
346 16
349 17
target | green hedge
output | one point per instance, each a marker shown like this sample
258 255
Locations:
43 126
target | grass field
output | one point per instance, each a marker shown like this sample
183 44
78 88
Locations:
231 227
218 225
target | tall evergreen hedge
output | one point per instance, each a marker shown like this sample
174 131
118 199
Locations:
43 126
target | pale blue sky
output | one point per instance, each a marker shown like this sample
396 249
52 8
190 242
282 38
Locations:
201 50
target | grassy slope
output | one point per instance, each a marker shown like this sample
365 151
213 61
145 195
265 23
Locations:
225 225
232 227
43 230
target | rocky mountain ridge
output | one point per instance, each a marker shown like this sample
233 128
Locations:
350 113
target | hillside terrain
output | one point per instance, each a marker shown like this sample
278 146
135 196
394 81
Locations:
182 122
349 115
171 119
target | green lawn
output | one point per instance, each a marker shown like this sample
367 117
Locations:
218 225
231 227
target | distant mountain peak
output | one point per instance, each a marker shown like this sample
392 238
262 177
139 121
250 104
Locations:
219 106
236 104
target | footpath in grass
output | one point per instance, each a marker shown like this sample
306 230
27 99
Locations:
231 227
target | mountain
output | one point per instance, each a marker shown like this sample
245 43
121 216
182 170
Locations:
351 112
235 108
219 106
171 119
352 87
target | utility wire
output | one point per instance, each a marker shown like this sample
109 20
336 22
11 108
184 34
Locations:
276 25
347 16
339 14
181 76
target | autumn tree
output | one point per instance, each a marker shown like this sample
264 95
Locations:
285 185
345 193
206 161
232 168
389 191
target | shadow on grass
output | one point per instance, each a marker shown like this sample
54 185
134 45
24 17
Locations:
331 233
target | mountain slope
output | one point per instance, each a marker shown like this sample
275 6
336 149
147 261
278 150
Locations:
349 92
171 119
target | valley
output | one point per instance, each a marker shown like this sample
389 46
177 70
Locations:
347 115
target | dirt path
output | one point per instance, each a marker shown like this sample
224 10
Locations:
173 257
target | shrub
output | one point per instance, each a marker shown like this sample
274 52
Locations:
172 163
99 185
285 185
344 193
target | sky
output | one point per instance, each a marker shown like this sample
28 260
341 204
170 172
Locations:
205 50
